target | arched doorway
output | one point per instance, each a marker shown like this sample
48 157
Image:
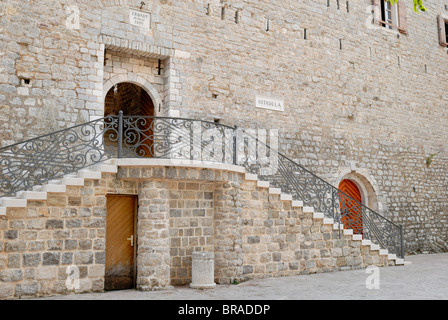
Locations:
130 98
135 102
350 202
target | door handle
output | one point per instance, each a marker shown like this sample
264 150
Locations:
132 240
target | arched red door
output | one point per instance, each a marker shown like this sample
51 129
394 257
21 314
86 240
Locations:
352 211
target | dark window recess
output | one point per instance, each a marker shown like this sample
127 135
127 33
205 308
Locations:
25 82
383 11
446 31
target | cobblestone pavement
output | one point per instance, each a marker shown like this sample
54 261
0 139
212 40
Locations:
425 278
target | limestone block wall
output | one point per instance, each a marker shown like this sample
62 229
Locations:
191 226
51 71
252 233
273 239
357 96
39 243
131 67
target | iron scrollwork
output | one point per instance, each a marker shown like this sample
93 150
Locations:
39 160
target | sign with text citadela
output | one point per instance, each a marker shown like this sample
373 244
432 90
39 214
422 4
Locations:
270 103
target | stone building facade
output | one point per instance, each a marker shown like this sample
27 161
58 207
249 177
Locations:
253 231
361 102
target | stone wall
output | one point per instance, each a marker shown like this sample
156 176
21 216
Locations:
40 242
357 96
191 226
258 235
118 63
181 210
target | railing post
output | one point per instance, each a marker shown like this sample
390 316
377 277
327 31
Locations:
120 134
192 139
402 241
235 147
335 212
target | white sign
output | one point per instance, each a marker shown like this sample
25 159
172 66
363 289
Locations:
270 103
140 19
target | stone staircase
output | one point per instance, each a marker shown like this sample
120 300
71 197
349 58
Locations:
40 193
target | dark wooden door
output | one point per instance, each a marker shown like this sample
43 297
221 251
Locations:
352 210
120 242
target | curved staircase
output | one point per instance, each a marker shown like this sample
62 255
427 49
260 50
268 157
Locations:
40 194
59 153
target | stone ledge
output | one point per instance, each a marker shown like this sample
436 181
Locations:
177 163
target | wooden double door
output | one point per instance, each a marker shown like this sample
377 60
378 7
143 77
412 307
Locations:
121 242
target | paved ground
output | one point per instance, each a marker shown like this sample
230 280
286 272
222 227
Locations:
425 278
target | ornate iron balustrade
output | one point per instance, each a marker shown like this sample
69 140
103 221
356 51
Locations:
39 160
315 192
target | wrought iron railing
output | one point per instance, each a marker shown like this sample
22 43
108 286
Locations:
42 159
315 192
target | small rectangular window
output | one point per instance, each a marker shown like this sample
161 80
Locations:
446 31
391 16
443 31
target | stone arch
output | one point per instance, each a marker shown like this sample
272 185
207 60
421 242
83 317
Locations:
366 185
137 80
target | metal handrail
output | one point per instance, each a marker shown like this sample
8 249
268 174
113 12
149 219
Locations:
37 161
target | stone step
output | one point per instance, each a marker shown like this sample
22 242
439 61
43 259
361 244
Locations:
357 237
54 188
90 175
33 195
251 177
297 204
318 215
308 210
263 184
73 181
106 168
286 197
2 211
338 226
275 191
13 203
